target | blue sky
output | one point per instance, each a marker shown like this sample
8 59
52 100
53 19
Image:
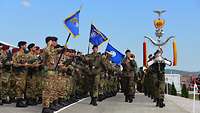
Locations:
124 21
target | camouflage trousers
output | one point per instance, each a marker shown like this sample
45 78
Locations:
154 83
68 87
102 85
161 86
12 83
33 85
39 86
49 93
94 88
61 86
5 84
81 85
129 86
20 84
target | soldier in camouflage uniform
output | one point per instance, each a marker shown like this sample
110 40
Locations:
20 70
6 74
81 90
148 81
110 78
129 71
49 94
95 63
40 75
158 64
65 69
102 85
12 91
33 72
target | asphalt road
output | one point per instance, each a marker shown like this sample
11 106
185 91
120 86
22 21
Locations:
141 104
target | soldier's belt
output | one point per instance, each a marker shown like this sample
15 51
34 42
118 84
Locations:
50 72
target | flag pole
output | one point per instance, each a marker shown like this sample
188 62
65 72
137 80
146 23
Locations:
62 51
88 48
194 95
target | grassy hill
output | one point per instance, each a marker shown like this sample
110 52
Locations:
173 71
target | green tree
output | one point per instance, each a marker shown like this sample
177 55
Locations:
173 90
184 91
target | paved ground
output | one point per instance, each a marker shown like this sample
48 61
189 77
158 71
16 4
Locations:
184 103
116 104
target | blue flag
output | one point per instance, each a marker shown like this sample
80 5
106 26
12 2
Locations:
96 37
117 56
72 24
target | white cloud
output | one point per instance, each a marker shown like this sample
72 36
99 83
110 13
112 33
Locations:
26 3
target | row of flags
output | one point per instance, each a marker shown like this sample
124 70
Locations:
96 36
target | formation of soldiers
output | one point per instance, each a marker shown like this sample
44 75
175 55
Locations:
37 76
29 77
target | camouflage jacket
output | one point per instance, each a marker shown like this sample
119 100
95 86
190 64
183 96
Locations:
19 59
129 67
50 57
95 63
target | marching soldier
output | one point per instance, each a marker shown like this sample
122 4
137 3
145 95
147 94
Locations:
129 71
20 70
95 62
106 69
158 64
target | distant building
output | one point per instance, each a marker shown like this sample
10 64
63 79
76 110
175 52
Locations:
176 78
185 79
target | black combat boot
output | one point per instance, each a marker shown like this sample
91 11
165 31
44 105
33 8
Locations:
104 96
115 93
55 106
145 93
152 97
154 100
100 97
62 102
1 102
21 103
47 110
73 99
12 100
161 104
157 102
66 101
7 100
94 103
31 102
130 99
126 98
39 100
149 95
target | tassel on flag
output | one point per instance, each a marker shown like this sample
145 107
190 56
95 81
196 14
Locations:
174 53
145 53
